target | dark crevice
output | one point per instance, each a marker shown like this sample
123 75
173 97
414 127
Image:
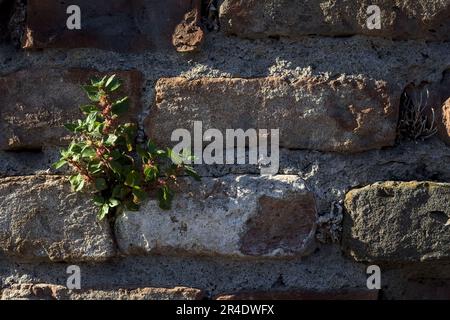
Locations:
12 21
6 11
17 22
439 216
210 15
35 150
417 120
445 77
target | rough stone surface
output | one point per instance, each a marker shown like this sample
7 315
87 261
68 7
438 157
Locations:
218 275
324 271
402 287
55 292
120 25
40 219
35 104
400 19
398 222
328 175
188 35
302 295
343 115
240 216
400 62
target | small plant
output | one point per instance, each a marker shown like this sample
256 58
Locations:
107 161
414 121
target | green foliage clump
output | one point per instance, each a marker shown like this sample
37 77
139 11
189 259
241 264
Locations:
107 161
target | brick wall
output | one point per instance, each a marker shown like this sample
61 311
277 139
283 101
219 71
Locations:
349 192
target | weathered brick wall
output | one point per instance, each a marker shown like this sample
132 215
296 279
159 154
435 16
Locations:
349 192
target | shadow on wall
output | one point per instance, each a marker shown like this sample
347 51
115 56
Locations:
12 20
122 26
423 110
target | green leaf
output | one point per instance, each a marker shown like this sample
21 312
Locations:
191 172
128 133
115 154
187 156
80 126
110 79
99 200
91 120
112 139
176 158
93 93
152 149
88 152
65 154
72 127
117 191
61 163
133 179
80 186
88 109
100 184
119 107
75 147
77 182
151 173
142 153
113 203
165 196
113 83
120 192
95 167
97 82
128 129
161 153
116 167
139 195
73 182
103 212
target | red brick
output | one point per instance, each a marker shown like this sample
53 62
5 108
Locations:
341 115
118 25
35 104
188 36
56 292
400 19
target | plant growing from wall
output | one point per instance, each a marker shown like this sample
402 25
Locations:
107 161
415 123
